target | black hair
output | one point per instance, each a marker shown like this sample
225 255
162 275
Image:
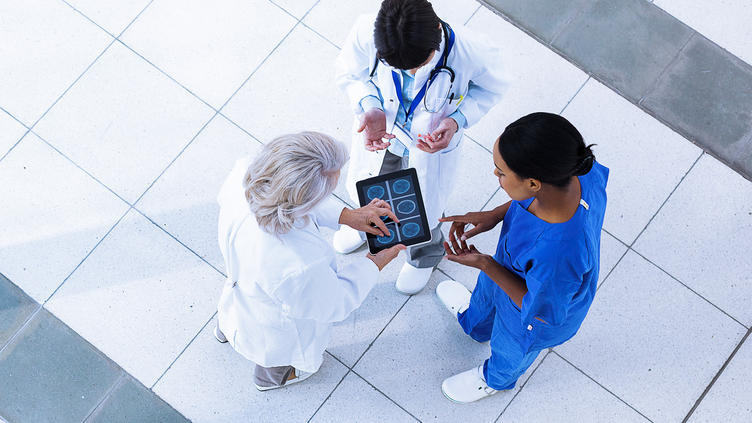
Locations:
406 32
546 147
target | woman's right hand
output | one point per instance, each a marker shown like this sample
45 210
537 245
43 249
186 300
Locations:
383 257
482 221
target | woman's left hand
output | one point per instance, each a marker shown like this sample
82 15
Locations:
460 252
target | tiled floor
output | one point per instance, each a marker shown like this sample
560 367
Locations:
119 121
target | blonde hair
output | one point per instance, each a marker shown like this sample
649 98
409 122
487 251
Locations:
290 176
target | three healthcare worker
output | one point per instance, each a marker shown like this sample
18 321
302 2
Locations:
283 288
535 291
415 83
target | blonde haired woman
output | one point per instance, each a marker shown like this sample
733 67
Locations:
283 288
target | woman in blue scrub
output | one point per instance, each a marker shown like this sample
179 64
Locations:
535 291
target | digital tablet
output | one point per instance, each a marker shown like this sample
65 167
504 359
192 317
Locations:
402 191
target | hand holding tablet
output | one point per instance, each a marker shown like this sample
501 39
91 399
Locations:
401 190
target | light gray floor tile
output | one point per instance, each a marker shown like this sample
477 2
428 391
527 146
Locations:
211 382
528 67
184 199
297 8
474 181
10 132
130 402
651 341
210 47
308 100
53 214
46 45
51 375
702 237
724 21
626 43
350 338
333 18
420 348
545 18
569 396
611 251
646 159
15 308
730 399
707 94
124 122
112 15
354 400
136 277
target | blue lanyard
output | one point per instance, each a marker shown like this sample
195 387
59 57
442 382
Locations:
422 92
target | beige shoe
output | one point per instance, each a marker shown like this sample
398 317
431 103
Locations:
467 386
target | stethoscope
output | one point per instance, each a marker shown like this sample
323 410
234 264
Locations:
441 68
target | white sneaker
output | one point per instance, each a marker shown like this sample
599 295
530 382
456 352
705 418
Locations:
454 295
411 279
299 377
467 386
219 335
346 240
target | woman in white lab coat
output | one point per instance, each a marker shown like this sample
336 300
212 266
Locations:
383 66
283 288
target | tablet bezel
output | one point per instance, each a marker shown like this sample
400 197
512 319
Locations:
413 175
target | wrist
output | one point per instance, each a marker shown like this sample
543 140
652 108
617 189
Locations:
487 263
456 124
344 215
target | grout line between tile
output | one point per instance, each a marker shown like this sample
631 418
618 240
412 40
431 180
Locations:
624 254
13 117
472 15
715 378
87 255
135 18
106 395
548 352
385 395
476 142
665 70
689 288
320 35
180 153
21 328
49 144
15 145
89 19
181 352
383 329
575 95
668 197
329 396
599 384
178 241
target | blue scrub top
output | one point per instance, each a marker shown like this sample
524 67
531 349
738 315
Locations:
559 263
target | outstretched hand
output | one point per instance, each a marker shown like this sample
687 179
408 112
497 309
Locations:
373 122
482 221
438 139
460 252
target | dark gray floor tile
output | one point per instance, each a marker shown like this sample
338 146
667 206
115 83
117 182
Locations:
130 402
625 43
15 308
50 374
544 18
707 96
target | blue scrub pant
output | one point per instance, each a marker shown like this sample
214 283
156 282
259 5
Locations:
483 322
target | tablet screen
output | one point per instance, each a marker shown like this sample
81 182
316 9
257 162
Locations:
402 191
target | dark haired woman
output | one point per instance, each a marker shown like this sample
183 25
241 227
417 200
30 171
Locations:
535 291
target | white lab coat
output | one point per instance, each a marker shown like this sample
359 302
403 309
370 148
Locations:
282 293
472 58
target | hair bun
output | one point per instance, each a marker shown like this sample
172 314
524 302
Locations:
584 166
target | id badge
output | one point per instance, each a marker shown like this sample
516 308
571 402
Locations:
402 135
